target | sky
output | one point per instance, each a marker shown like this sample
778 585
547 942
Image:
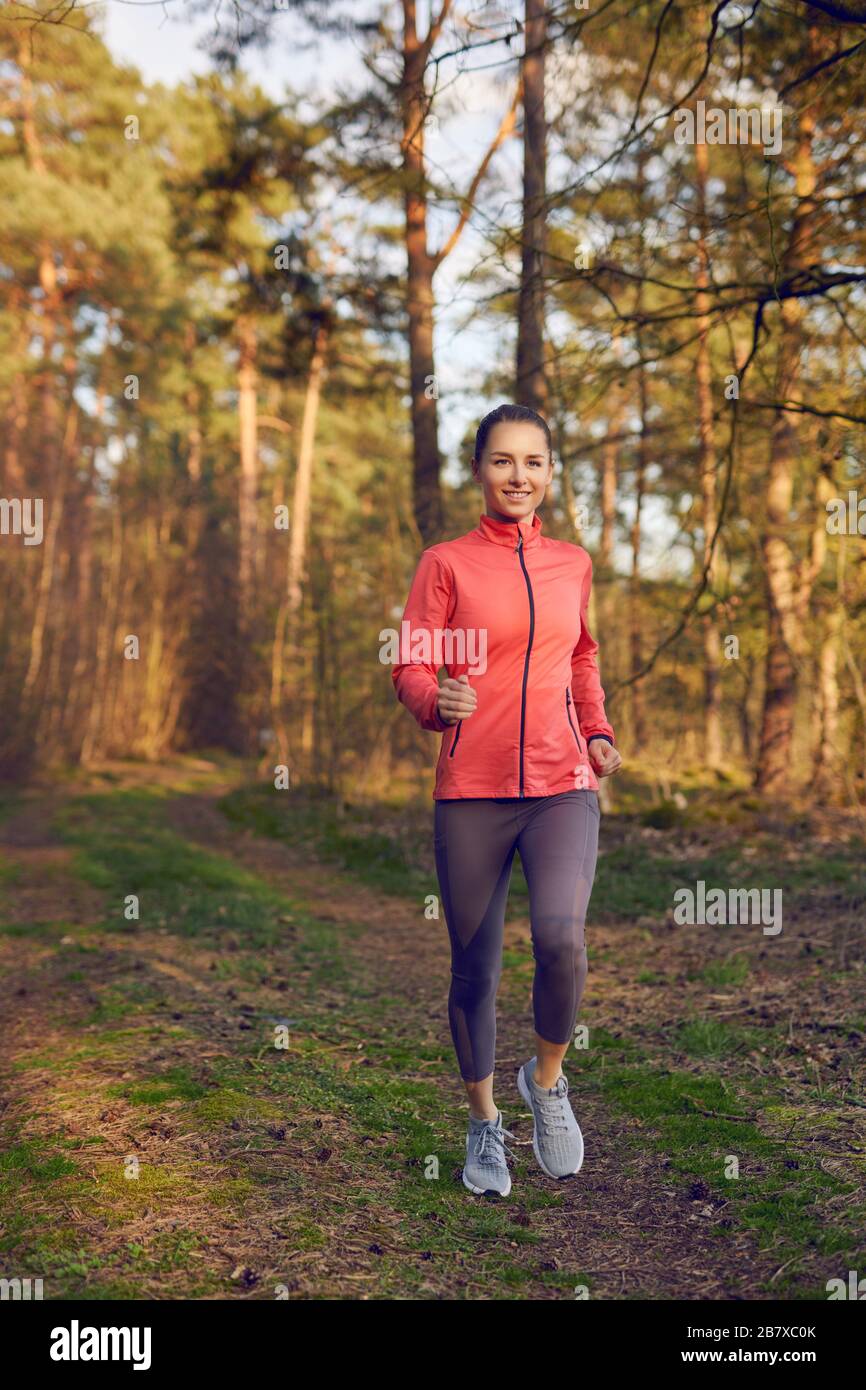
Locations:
153 37
160 40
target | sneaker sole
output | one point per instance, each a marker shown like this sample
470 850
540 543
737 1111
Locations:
523 1088
485 1191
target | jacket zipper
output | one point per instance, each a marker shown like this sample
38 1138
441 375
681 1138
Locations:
455 738
568 712
528 650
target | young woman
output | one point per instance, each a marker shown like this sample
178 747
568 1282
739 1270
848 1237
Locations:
525 739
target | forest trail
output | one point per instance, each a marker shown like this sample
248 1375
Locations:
605 1212
300 1172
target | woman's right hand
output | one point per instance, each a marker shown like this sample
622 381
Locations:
457 699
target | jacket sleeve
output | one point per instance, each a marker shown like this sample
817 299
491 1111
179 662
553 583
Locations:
586 688
426 611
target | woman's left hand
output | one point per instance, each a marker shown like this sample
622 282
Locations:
604 757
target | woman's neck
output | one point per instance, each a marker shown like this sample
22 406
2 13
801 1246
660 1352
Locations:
500 516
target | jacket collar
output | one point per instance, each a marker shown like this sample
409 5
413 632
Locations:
505 532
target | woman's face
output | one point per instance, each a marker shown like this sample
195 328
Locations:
514 470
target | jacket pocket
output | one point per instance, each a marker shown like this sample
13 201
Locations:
455 738
571 721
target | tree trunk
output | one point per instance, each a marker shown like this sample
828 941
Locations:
784 635
426 492
193 453
57 498
827 751
286 635
531 384
747 675
638 714
827 759
777 720
51 293
608 493
109 605
604 583
159 674
16 414
707 466
248 491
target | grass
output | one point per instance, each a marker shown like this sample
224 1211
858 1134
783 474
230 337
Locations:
374 858
706 1127
124 845
174 1084
722 973
781 1195
634 879
338 1146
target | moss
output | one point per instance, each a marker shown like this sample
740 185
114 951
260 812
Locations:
33 1158
174 1084
225 1106
232 1193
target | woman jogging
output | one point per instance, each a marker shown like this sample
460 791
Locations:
525 739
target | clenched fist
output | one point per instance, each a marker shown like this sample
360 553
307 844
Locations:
457 699
604 757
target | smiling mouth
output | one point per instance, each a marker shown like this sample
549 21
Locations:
509 493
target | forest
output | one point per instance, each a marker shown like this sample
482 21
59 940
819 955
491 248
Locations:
220 377
265 265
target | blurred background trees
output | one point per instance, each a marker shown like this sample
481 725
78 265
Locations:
218 369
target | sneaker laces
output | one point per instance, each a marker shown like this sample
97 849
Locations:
496 1136
555 1102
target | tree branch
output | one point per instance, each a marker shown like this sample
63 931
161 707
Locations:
435 29
506 128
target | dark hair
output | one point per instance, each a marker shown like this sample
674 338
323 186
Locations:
516 413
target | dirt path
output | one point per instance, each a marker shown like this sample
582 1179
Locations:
635 1229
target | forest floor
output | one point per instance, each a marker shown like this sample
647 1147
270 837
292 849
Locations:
249 1090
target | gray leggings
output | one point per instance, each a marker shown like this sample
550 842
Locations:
475 839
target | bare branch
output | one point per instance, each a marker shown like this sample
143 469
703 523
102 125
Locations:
435 29
506 128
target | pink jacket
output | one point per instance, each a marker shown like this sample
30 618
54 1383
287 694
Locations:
507 606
